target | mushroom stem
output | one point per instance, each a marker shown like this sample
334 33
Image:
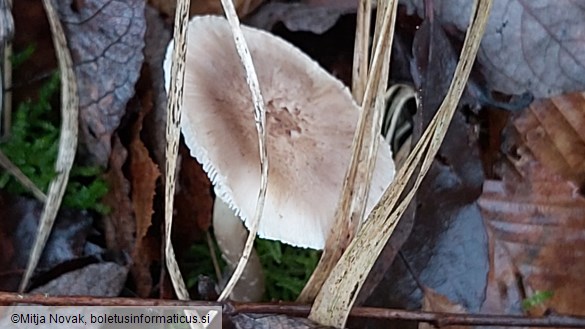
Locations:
230 235
260 118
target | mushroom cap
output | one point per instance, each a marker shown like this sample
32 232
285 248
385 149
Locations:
311 119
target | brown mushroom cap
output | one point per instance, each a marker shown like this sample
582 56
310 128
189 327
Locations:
311 119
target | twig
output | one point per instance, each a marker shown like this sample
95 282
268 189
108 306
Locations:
260 118
173 130
67 141
301 310
340 291
21 177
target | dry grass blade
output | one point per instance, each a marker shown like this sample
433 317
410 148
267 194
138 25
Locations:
67 141
260 117
21 177
174 105
356 184
361 50
6 34
339 292
379 101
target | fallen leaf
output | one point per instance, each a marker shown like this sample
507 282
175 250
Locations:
102 279
145 174
19 218
120 225
528 46
537 223
435 302
106 38
554 131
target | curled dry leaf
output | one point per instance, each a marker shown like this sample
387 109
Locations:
106 40
536 220
534 46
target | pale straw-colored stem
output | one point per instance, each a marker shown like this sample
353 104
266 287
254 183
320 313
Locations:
260 118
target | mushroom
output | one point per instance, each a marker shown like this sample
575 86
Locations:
310 124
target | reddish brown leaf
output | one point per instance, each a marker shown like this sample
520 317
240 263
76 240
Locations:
537 224
435 302
554 131
145 173
120 226
106 39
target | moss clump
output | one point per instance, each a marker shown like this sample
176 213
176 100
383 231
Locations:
286 268
33 146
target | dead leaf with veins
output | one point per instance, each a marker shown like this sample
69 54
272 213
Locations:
536 220
106 39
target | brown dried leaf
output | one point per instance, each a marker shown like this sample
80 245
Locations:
435 302
120 226
145 173
101 279
535 46
554 131
537 224
106 39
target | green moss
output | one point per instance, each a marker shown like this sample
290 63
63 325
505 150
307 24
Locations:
286 268
33 146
